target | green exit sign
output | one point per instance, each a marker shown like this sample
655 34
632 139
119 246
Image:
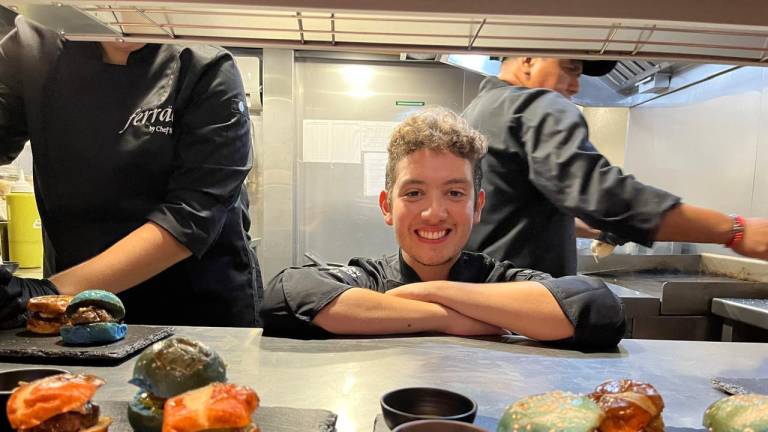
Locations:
409 103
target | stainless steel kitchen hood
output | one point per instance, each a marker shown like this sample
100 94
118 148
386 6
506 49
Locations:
654 31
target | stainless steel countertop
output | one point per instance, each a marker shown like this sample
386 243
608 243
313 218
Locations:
348 376
749 311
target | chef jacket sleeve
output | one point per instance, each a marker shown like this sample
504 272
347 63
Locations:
213 158
296 295
573 175
595 312
13 120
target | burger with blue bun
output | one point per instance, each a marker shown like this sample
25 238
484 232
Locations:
94 317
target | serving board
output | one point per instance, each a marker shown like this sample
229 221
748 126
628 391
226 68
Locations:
269 419
21 344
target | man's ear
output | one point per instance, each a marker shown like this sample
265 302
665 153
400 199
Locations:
479 204
385 207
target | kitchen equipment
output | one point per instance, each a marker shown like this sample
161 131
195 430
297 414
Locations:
420 403
25 233
683 287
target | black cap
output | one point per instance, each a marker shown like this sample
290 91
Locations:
597 67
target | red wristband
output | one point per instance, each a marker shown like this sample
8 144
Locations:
737 230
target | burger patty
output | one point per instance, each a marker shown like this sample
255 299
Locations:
71 421
59 319
90 314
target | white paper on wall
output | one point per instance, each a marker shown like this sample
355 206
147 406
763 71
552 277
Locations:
316 143
375 135
345 142
374 169
342 141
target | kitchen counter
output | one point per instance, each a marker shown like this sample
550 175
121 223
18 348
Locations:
347 376
29 273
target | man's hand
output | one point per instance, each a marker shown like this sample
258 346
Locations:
455 323
15 292
462 325
755 241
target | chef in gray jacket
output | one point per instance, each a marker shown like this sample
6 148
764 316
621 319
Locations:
541 171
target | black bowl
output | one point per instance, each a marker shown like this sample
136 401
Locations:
438 426
422 403
10 379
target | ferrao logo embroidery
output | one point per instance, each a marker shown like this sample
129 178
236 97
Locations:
158 120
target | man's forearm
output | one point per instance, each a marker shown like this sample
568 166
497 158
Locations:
528 308
694 224
359 311
140 255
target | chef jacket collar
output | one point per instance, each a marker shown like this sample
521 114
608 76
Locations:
468 268
146 54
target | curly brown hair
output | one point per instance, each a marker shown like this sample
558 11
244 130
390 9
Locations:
438 129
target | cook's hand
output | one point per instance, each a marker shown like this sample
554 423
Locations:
755 241
15 292
458 324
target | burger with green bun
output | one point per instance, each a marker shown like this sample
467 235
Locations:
166 369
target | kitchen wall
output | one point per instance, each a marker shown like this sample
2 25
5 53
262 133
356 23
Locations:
608 131
707 143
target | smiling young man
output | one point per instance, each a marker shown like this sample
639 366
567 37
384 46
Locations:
432 200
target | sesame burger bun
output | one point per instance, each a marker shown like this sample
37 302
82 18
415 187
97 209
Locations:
46 313
33 403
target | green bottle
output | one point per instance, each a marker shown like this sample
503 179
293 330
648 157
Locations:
25 233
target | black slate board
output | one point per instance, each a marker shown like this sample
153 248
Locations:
490 424
741 385
269 419
20 344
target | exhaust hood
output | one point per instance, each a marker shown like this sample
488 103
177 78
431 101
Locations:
657 31
655 41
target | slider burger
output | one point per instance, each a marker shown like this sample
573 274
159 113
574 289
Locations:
629 406
218 406
94 316
46 313
166 369
738 413
58 403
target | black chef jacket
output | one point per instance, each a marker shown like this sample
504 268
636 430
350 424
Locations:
296 295
164 138
541 170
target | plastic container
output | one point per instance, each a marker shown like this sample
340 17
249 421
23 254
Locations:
25 233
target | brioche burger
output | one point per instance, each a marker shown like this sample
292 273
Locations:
94 317
46 313
218 406
166 369
60 403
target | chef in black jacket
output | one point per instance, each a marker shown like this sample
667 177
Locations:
140 153
542 171
432 199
